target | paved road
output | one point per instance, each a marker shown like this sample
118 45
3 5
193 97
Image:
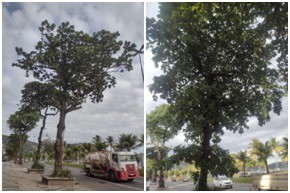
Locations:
101 184
188 186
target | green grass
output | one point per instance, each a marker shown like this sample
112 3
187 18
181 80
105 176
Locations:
141 172
247 180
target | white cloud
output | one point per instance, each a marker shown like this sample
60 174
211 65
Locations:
123 106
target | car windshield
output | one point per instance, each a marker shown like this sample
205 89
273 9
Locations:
223 178
127 158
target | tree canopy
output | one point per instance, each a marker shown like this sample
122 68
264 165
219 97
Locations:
223 63
77 65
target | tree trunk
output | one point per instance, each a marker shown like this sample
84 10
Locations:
202 182
59 143
154 176
20 161
276 161
244 168
161 175
266 163
37 157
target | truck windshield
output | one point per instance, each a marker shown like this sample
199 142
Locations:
127 158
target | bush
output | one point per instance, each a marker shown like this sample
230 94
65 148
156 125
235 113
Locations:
37 165
141 172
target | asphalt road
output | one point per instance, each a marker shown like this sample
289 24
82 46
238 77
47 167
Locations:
188 186
101 184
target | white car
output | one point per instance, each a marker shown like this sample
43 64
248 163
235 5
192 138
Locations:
222 182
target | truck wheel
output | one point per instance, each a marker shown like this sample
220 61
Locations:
130 180
112 176
88 173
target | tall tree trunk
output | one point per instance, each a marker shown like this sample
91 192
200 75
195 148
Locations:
37 157
161 175
202 182
154 176
266 163
20 161
244 168
276 161
59 143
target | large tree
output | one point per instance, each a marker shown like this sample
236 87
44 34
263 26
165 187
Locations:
161 125
78 65
217 60
21 122
41 97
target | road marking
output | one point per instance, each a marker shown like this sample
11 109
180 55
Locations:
113 183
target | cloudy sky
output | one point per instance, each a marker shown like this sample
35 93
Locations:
277 127
122 110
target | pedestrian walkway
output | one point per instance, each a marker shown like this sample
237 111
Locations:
16 178
153 186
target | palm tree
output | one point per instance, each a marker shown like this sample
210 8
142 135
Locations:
141 141
263 152
97 138
251 148
276 149
284 150
88 147
243 158
111 142
127 141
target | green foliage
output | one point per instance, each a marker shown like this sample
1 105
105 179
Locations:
263 151
243 157
195 176
23 120
284 153
37 165
77 64
127 142
12 147
247 180
217 64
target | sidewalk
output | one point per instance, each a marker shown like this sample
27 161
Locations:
15 177
154 187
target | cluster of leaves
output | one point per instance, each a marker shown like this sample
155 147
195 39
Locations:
221 161
37 165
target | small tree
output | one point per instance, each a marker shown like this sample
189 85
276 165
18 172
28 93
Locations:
41 97
276 149
263 152
21 122
243 158
78 65
161 125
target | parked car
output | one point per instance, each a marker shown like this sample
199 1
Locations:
244 174
222 182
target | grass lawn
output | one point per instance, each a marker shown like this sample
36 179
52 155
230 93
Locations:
247 180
